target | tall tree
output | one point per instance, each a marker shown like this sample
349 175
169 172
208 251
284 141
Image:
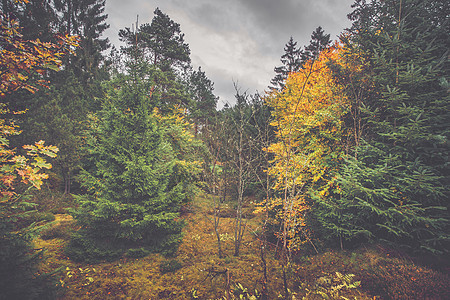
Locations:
38 18
20 61
85 18
161 42
309 128
291 60
203 101
395 183
319 41
138 174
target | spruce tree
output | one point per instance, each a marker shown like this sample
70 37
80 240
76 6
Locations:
59 114
162 44
203 101
291 60
136 174
394 185
319 41
85 18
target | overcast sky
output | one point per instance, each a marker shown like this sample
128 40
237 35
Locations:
236 40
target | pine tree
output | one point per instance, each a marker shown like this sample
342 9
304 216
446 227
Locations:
291 63
394 185
136 174
319 41
161 42
85 18
203 101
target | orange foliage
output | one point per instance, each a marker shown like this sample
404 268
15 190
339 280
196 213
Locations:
21 58
13 167
308 117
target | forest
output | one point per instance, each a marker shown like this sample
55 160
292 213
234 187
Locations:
121 179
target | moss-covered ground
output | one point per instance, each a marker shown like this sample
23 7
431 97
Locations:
197 272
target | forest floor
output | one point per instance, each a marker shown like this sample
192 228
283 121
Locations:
197 272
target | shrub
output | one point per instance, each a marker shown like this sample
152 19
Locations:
63 230
169 266
83 247
137 252
34 216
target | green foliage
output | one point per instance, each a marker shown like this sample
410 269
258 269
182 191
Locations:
139 171
29 217
20 223
137 252
83 246
51 199
162 45
57 231
58 114
291 60
332 287
169 266
394 183
160 42
203 101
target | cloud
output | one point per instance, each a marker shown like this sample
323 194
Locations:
240 40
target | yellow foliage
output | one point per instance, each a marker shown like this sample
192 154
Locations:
20 58
308 119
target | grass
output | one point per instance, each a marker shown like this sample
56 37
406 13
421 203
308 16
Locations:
197 271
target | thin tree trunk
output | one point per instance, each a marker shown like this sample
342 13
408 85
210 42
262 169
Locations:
239 230
216 225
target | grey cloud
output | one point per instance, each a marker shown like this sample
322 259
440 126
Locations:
240 40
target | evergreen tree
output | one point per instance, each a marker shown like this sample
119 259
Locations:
291 60
395 183
37 18
86 19
203 101
294 58
319 41
136 174
160 42
19 260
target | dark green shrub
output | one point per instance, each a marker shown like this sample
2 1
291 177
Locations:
61 231
30 217
53 201
137 252
84 247
170 266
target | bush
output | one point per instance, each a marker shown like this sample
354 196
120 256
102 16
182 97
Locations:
137 252
30 217
63 230
83 247
52 201
169 266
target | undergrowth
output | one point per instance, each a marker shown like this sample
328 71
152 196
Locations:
196 271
